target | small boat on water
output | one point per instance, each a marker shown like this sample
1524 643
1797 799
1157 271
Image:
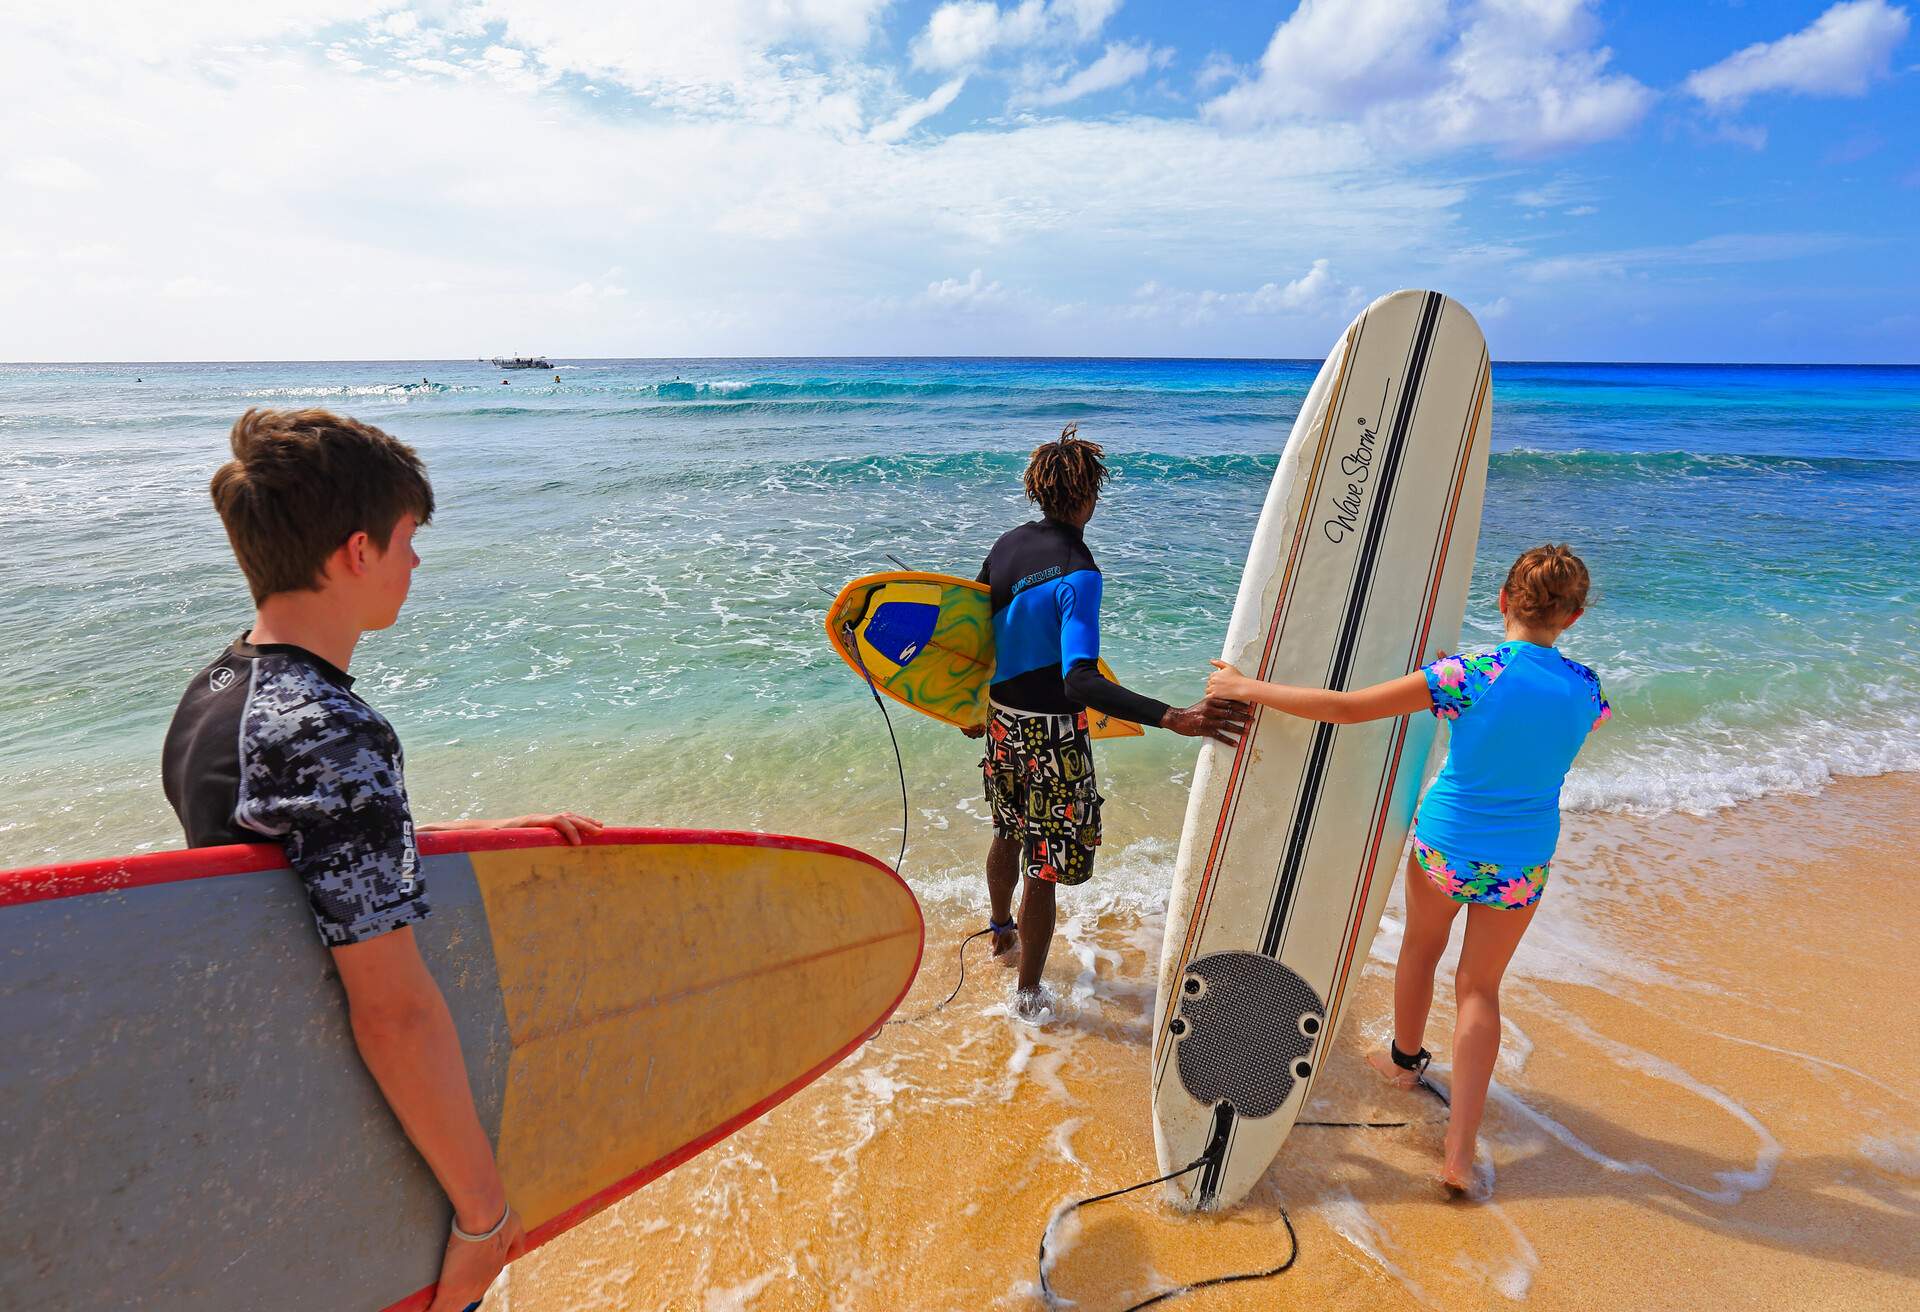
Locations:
522 362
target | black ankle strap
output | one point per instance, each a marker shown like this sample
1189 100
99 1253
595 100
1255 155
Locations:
1409 1062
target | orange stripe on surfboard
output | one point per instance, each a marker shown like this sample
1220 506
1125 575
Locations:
1196 919
1358 910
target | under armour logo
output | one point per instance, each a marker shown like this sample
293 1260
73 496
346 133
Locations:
221 679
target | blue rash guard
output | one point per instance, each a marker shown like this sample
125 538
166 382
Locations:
1519 714
1046 627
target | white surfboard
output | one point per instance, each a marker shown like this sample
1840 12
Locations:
1358 571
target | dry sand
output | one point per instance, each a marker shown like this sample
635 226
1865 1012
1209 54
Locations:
1703 1101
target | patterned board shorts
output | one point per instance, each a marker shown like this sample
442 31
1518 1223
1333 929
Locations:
1482 883
1041 789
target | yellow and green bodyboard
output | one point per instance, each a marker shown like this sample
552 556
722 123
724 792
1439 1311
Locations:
926 640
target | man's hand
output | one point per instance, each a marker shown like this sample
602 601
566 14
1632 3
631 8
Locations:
1218 718
974 730
468 1268
573 827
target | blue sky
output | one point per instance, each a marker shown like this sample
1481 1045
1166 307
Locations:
360 179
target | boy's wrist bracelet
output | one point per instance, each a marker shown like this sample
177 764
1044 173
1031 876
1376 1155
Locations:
498 1226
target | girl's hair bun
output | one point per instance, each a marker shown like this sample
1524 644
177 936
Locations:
1547 585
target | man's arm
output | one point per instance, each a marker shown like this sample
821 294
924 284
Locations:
406 1037
1079 595
1211 717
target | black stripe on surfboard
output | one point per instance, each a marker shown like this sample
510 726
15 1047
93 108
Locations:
1319 753
1436 566
1389 494
1320 749
1276 631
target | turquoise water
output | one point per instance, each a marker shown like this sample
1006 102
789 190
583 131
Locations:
622 594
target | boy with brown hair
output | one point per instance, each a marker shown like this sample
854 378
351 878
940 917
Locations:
271 744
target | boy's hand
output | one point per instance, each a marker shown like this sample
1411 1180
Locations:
468 1268
1228 682
974 730
573 827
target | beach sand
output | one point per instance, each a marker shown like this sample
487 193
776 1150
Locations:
1701 1103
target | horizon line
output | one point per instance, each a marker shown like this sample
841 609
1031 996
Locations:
1187 359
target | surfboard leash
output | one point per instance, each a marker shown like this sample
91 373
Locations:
958 984
906 814
899 764
1053 1299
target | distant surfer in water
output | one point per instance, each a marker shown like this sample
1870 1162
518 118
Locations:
1038 767
271 744
1487 829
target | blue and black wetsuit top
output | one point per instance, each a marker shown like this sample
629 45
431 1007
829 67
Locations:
1046 627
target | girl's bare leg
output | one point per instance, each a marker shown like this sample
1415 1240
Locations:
1492 935
1423 942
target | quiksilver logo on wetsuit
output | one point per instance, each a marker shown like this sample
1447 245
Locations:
1038 576
1357 464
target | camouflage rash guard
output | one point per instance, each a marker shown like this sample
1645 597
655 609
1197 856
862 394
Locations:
270 744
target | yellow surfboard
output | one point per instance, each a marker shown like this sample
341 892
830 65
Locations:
926 640
195 1128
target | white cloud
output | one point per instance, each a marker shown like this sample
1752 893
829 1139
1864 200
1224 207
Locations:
193 289
1121 63
919 111
1839 54
1423 75
972 294
963 33
1218 67
1551 194
739 234
769 60
1337 57
51 173
1315 294
1750 135
1724 249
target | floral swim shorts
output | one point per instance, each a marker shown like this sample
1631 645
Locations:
1482 883
1042 791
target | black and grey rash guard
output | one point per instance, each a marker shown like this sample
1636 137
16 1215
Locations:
270 744
1046 627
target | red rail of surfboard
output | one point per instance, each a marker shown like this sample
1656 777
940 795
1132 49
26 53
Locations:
77 879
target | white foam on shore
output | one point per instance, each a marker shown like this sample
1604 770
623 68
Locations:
1898 1154
1038 1054
1516 1281
1808 1057
1708 767
740 1297
1062 1140
1734 1184
1350 1219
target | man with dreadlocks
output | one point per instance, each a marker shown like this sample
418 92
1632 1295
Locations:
1039 761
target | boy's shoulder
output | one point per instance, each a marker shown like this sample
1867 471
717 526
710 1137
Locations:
296 706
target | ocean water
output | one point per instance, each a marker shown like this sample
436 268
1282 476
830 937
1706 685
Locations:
620 606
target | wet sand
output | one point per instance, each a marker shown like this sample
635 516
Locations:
1701 1103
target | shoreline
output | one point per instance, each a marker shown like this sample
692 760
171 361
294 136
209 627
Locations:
1672 1081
